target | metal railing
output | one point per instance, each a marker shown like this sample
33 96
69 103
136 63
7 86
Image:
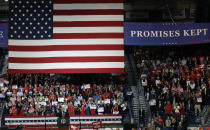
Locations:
2 104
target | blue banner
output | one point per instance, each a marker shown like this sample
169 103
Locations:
163 34
3 34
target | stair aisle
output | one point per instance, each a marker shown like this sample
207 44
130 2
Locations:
135 103
142 101
129 118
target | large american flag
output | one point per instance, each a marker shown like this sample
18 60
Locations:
66 36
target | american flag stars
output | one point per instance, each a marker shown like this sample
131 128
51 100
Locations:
32 20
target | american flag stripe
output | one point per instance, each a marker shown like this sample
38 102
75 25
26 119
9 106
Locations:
87 38
88 70
67 59
66 47
118 41
87 1
81 6
89 24
31 54
87 30
89 12
58 18
73 65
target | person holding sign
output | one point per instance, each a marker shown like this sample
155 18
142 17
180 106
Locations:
100 108
93 109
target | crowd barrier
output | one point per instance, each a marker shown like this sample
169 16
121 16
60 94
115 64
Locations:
26 121
198 128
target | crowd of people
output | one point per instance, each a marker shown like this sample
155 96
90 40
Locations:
176 83
55 95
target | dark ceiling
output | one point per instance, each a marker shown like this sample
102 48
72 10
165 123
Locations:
152 10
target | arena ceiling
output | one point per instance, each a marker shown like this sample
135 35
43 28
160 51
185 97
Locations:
146 9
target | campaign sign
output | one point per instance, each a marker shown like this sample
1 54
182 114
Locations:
3 34
162 34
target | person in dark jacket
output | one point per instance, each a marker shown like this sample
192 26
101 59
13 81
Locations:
141 116
180 127
124 111
108 108
77 111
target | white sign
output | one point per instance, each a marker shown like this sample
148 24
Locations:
14 86
93 107
101 109
1 84
107 101
60 99
86 86
42 103
54 103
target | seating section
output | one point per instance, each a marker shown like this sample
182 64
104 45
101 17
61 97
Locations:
176 82
55 95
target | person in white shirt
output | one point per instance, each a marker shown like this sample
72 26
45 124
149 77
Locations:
13 99
147 94
157 81
114 101
165 90
144 82
65 106
152 104
80 97
184 61
20 93
120 94
9 93
2 95
77 103
177 109
192 85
